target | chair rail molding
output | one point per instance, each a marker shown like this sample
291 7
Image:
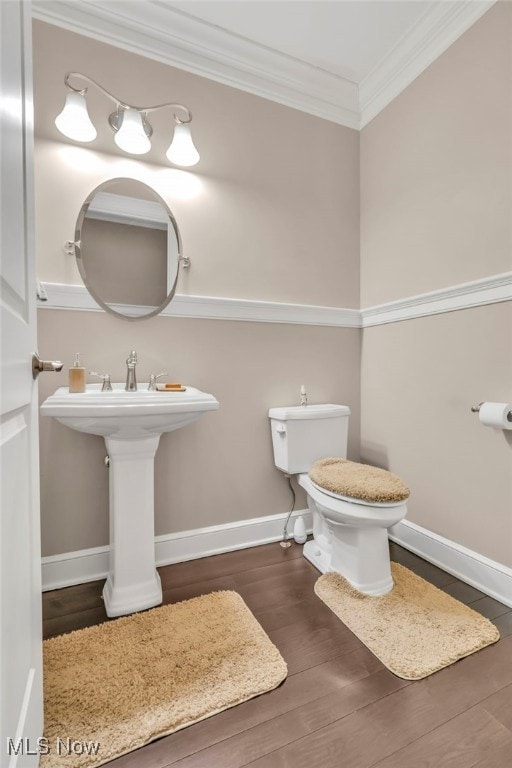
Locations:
76 297
476 293
486 290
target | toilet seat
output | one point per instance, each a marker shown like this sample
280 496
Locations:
364 482
353 512
354 500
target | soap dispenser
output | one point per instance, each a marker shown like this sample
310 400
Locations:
77 376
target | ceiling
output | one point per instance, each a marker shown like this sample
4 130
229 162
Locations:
347 39
343 60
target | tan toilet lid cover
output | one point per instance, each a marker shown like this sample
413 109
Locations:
360 481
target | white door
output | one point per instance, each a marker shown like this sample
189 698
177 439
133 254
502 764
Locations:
21 705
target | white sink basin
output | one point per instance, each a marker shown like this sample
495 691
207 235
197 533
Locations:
127 415
131 424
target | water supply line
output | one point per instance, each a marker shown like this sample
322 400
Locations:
286 542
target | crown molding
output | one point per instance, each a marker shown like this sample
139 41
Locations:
210 51
436 30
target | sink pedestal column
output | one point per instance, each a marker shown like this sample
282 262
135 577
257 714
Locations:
133 583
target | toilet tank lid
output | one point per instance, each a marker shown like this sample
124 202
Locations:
321 411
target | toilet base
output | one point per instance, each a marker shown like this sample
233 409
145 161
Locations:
351 539
322 562
361 556
317 557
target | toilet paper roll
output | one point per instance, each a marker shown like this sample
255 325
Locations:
496 415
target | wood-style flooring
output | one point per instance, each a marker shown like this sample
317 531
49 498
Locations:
339 706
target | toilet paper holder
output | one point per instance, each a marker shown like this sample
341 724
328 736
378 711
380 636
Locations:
476 409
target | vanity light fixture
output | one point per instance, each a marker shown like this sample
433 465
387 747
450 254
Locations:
130 125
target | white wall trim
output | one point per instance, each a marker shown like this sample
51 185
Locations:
86 565
76 297
488 576
92 564
441 25
122 209
210 51
172 36
486 290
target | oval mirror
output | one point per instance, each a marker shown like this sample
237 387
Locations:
128 249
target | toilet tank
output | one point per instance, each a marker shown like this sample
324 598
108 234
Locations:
303 434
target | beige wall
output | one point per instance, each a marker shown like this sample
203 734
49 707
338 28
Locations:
217 470
272 213
419 380
435 211
436 184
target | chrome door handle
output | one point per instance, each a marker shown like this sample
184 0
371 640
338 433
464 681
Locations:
39 366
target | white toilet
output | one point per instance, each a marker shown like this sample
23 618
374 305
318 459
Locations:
349 535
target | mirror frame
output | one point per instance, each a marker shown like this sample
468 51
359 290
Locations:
79 257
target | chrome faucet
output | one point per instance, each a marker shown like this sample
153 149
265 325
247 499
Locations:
131 380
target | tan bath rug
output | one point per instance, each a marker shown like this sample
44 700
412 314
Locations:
415 630
112 688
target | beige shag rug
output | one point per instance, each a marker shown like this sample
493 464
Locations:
415 630
361 481
112 688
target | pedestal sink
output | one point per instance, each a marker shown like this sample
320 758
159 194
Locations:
131 423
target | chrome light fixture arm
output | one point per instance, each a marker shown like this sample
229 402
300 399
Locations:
123 104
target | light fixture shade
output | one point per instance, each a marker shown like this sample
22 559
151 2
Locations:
131 136
182 150
74 121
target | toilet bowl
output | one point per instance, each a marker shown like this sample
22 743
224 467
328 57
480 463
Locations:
350 534
350 537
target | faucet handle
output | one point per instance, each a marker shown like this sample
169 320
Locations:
152 380
105 377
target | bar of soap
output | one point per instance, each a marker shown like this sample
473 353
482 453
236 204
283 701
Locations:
171 388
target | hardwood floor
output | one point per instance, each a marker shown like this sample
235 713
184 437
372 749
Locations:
339 706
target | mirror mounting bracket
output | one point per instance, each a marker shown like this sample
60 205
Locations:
69 247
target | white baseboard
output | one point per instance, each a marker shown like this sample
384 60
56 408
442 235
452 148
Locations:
91 564
488 576
86 565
